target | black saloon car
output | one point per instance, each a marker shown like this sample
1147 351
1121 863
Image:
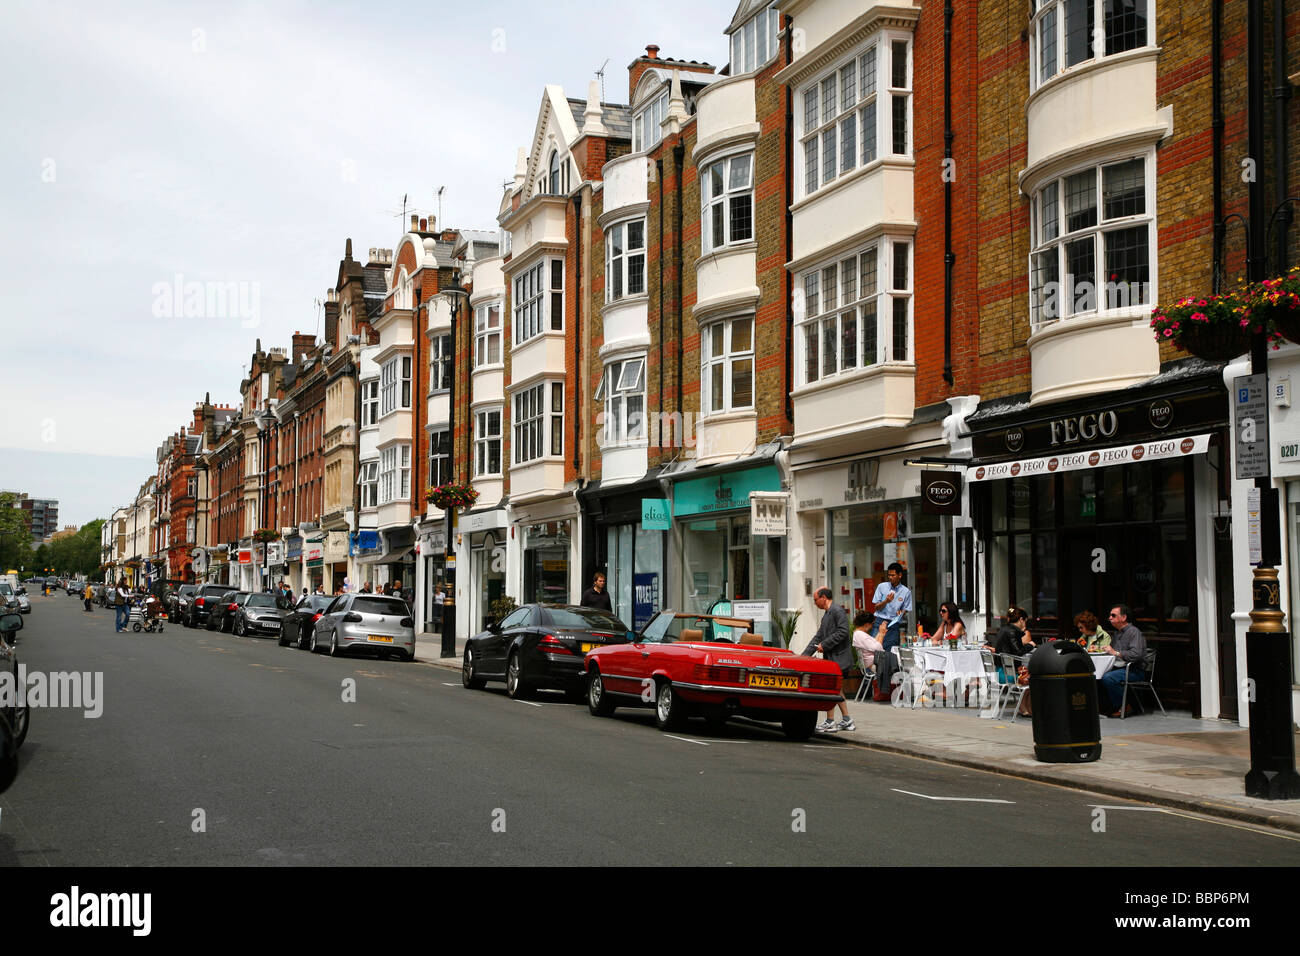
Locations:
300 624
540 645
209 597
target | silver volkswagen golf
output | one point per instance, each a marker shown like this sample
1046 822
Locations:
371 621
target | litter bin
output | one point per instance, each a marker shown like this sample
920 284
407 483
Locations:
1063 698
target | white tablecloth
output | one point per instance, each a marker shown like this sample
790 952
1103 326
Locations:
1102 663
951 663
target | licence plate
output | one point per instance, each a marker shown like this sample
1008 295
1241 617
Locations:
587 647
773 680
379 639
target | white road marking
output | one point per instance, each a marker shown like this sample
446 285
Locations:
1106 806
530 703
445 684
925 796
688 740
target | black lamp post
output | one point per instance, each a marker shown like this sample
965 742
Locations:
454 292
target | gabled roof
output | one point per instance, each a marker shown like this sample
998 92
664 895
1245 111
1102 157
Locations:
616 117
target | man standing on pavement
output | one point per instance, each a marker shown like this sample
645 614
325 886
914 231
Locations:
1127 646
892 600
834 640
88 595
121 609
596 596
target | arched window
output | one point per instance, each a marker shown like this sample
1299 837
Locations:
555 173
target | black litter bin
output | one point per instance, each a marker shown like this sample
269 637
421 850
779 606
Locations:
1063 698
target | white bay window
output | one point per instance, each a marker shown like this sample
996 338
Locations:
727 373
622 391
727 201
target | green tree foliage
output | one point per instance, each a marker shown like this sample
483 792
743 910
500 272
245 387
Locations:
15 538
76 554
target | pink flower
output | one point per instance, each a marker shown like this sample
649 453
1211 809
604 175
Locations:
1199 317
1168 333
1202 303
1245 323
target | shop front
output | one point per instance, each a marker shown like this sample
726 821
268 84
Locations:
431 555
629 524
313 562
363 548
1115 500
483 539
335 571
546 566
862 516
721 562
293 562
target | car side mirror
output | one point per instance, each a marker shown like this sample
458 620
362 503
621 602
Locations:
631 637
494 627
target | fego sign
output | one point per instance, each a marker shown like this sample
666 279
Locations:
767 513
940 493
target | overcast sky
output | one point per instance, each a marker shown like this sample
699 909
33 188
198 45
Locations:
155 143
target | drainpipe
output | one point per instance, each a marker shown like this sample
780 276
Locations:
679 155
1216 95
948 258
659 174
578 397
789 228
1258 215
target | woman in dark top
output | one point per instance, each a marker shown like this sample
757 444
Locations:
1012 638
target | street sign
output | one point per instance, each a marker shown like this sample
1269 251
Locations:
1254 531
1250 426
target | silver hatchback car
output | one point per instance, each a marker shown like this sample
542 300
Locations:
371 621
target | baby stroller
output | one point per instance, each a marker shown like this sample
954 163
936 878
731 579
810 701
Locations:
147 616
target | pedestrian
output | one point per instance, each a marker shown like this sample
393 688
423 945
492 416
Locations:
87 596
439 602
596 596
121 609
366 589
892 601
835 642
1129 648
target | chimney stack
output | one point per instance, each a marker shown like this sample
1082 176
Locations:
302 344
652 52
424 225
331 316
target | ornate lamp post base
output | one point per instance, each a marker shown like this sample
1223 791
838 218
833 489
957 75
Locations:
1272 773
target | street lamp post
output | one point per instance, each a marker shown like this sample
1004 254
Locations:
454 293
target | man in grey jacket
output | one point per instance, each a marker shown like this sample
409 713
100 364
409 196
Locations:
1129 648
835 640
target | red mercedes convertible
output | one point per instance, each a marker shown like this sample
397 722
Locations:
686 665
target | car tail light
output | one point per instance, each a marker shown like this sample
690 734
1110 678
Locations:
231 607
316 617
199 603
716 674
821 681
550 644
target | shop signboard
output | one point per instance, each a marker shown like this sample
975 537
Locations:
724 492
314 551
760 612
1100 458
1250 426
656 514
245 555
940 493
767 513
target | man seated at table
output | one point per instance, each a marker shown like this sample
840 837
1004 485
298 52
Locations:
1128 646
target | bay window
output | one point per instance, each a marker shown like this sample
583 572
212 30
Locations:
487 442
370 402
539 300
539 422
395 384
1066 32
1092 242
439 457
625 260
647 124
622 390
727 375
754 42
487 334
840 111
394 473
849 318
727 201
368 479
440 364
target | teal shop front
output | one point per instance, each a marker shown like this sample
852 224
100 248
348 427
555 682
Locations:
719 560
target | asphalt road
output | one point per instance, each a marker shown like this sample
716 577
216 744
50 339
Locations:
218 750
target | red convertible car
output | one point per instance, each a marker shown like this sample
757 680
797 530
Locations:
686 665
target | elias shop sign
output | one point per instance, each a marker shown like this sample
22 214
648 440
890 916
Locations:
940 493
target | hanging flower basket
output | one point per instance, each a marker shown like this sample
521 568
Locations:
1217 328
265 535
1276 302
451 495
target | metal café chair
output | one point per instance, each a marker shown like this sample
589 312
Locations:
992 692
1148 682
1012 691
907 673
868 677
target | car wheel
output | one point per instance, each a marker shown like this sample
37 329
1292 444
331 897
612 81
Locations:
334 644
226 627
284 639
598 702
312 647
800 726
516 686
468 678
22 718
670 710
239 628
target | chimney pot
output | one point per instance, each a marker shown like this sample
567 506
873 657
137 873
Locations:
424 225
372 253
415 221
652 51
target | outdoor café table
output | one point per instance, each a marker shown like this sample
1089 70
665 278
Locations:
963 662
1102 663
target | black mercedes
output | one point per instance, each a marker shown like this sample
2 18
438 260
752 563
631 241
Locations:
540 645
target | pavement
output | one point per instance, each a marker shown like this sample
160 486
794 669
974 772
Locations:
1173 761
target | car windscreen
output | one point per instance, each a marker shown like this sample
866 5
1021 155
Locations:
381 605
261 600
6 589
587 619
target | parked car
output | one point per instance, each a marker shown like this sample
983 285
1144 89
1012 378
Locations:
299 625
540 645
208 597
373 622
222 615
670 667
14 719
179 605
258 613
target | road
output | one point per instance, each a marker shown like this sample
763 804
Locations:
218 750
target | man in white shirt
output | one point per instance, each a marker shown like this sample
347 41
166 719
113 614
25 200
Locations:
893 600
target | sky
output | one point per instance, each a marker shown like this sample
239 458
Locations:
151 145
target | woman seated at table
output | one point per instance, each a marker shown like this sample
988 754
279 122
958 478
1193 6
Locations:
950 624
1012 638
1090 633
864 640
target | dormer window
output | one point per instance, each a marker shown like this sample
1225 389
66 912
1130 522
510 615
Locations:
647 124
556 180
754 41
